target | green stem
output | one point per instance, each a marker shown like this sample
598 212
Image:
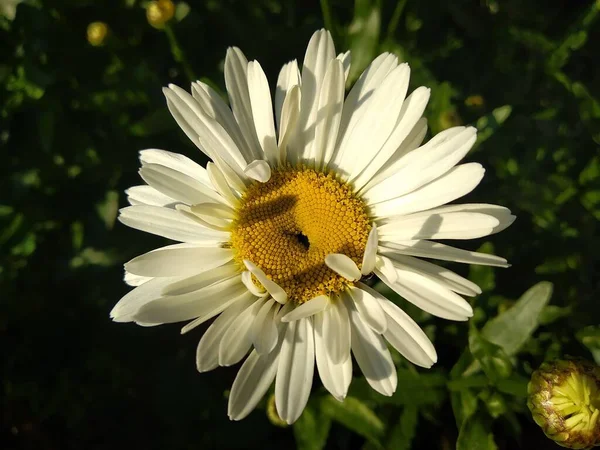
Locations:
395 18
477 381
327 16
178 53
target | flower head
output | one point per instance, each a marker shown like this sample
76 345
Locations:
306 200
159 12
564 400
97 33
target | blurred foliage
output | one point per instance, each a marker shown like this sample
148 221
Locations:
74 113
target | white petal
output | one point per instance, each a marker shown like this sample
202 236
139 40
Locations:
167 223
457 182
343 265
136 298
401 136
213 138
289 76
236 180
290 114
369 309
307 309
336 377
249 283
135 280
237 340
176 162
346 59
499 212
429 295
177 185
372 355
147 195
295 370
379 120
236 81
251 383
200 281
282 312
219 181
407 337
243 298
213 215
452 225
210 222
216 210
258 170
425 164
394 163
334 325
264 330
207 353
329 113
357 101
273 288
385 266
204 303
213 105
444 276
262 111
178 260
435 250
370 256
318 54
467 221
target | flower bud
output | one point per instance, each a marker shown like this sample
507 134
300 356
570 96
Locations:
272 413
160 12
564 400
96 33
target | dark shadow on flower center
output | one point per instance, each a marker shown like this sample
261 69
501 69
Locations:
303 239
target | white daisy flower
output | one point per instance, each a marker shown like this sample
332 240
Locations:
295 209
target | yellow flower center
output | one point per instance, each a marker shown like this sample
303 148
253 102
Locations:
288 225
577 399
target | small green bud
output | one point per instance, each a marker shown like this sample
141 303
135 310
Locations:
159 12
272 413
564 400
97 33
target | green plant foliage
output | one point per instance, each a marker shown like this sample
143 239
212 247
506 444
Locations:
511 329
475 434
74 113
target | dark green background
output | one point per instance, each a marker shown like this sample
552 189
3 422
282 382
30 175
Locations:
73 117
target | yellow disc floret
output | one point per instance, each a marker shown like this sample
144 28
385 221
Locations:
288 225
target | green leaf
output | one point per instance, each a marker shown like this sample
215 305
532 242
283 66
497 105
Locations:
311 429
403 432
464 405
414 388
363 35
493 360
591 171
490 123
590 337
355 415
511 329
77 235
475 434
552 313
108 208
515 385
494 403
181 11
